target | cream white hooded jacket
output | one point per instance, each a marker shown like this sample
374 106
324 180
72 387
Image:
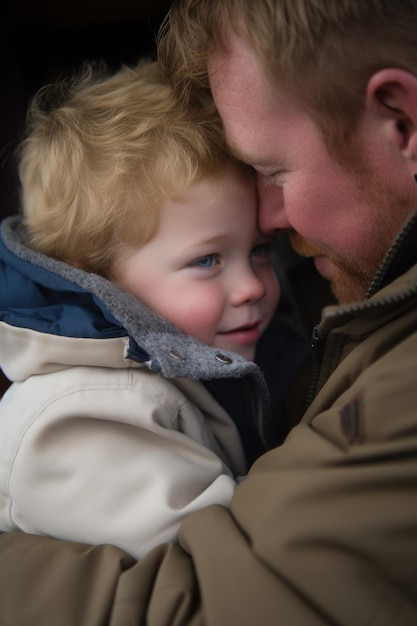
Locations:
108 432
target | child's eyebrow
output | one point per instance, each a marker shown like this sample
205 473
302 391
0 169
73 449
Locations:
207 241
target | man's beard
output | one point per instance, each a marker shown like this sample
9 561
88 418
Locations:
349 282
390 206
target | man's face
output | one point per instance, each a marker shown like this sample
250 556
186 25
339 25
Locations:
345 220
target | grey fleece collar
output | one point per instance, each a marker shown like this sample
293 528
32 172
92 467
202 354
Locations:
168 350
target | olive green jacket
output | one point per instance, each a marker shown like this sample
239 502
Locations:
322 531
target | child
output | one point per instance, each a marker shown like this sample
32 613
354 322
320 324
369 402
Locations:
136 274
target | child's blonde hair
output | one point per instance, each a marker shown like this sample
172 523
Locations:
101 155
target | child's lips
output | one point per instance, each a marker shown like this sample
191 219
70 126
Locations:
246 334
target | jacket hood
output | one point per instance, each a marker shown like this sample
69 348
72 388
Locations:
40 297
42 294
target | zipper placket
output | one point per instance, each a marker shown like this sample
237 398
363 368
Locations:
315 366
335 318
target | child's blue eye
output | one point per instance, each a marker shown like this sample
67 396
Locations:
204 261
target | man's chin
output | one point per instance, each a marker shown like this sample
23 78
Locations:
347 288
347 285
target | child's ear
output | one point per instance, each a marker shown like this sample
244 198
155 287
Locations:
391 95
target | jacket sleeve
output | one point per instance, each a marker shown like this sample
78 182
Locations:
79 473
74 584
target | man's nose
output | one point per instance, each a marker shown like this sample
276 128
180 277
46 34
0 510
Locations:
271 216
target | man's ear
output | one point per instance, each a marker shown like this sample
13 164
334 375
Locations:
392 95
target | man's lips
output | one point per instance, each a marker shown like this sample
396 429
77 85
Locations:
324 266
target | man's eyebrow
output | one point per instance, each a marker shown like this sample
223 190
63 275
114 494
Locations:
251 160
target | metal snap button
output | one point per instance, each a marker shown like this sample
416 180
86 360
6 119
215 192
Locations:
176 355
223 358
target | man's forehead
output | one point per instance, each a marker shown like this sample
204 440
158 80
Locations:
232 59
239 81
248 103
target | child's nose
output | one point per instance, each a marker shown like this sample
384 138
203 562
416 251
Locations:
247 287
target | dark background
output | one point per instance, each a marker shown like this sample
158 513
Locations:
42 39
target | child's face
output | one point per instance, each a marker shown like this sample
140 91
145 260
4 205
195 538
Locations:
207 269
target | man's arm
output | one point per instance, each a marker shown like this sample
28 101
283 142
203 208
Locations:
47 581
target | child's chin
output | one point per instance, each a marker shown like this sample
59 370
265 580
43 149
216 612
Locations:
247 352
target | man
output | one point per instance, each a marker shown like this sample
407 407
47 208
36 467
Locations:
321 98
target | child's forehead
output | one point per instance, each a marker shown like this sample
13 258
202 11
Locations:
211 203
